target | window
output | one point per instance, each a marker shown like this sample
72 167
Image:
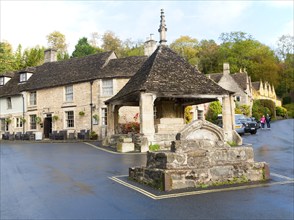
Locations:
18 122
104 116
238 98
69 119
33 124
199 114
9 104
33 98
2 124
1 81
107 87
69 93
22 77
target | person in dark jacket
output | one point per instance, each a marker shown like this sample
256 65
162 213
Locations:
268 121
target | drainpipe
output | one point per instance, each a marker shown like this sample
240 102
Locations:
91 105
23 114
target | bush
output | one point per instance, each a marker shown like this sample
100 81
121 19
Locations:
280 111
214 109
290 110
188 115
263 107
130 127
93 135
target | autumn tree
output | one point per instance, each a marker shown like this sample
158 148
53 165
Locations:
57 41
6 57
187 47
110 42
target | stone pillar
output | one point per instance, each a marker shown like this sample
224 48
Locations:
147 115
112 119
228 112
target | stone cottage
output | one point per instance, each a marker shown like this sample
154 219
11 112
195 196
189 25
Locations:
263 90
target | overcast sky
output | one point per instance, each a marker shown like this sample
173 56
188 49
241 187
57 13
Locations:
29 22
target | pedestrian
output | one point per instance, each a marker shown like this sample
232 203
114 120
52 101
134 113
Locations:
262 122
268 121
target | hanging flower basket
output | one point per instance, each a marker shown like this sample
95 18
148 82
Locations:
81 113
55 117
38 120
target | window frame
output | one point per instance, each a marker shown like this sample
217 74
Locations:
68 92
23 77
18 122
104 116
2 81
69 121
107 89
33 98
2 124
33 123
9 103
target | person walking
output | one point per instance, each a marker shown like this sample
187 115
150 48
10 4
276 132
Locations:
268 121
262 122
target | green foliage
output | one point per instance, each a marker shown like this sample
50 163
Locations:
290 109
214 109
83 48
57 41
154 147
187 47
188 116
242 109
55 117
93 135
7 59
281 111
263 107
81 113
232 143
110 42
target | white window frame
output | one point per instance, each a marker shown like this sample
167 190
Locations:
23 77
9 103
2 81
107 87
33 123
18 122
68 91
69 122
2 124
104 116
33 98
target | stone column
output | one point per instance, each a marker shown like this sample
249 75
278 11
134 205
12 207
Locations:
112 119
147 115
228 112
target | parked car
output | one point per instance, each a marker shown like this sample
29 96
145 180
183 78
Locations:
243 124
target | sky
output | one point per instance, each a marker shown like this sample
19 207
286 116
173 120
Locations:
29 22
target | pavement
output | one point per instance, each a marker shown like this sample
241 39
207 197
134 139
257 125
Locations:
86 181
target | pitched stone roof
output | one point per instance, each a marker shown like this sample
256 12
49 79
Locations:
123 67
241 79
70 71
215 76
12 87
168 75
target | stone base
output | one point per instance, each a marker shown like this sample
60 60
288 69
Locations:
125 147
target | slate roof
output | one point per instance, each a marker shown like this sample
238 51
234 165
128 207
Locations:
168 75
215 76
12 87
122 67
241 79
70 71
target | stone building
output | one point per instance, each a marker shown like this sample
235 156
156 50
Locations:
65 95
263 90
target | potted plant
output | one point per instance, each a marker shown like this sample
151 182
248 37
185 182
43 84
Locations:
55 117
81 113
23 120
38 120
93 135
96 119
8 120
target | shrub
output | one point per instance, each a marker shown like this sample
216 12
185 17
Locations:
188 115
290 110
130 127
214 109
154 147
93 135
281 111
263 107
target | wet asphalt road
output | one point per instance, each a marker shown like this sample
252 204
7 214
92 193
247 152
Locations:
70 181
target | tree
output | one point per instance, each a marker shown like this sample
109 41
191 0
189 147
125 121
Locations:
57 41
241 51
285 46
110 42
33 56
131 48
83 48
6 57
214 109
209 57
187 47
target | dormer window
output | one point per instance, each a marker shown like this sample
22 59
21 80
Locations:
23 77
1 81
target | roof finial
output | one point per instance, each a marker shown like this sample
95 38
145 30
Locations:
162 29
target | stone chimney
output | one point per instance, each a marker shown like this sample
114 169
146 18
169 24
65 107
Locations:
162 29
149 46
50 55
226 68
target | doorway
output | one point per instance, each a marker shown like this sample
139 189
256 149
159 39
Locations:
47 125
